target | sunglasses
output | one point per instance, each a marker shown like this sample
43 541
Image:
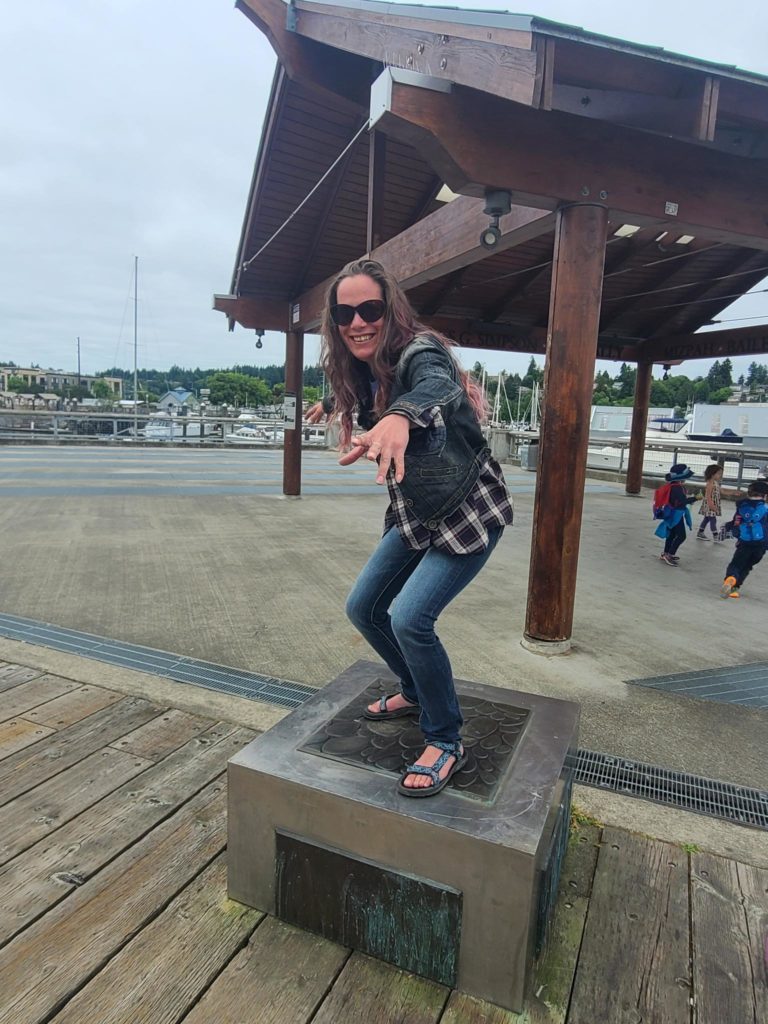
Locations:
369 311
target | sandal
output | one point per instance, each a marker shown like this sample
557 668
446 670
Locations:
455 750
382 715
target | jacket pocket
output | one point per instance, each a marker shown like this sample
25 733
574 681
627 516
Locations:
426 440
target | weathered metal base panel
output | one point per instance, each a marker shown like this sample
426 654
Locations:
316 823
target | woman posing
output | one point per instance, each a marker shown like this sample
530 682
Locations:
419 414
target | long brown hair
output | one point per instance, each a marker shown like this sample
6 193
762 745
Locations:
399 328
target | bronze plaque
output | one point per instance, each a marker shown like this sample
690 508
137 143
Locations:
490 735
411 922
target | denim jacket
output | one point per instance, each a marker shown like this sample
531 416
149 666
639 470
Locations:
442 460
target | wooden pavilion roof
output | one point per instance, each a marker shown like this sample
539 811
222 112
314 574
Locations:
595 102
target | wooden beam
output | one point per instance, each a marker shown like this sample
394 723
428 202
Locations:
346 79
255 314
446 240
524 281
738 341
568 383
474 142
706 121
506 338
545 69
508 71
377 166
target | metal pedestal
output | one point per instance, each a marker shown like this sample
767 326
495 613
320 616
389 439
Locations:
457 887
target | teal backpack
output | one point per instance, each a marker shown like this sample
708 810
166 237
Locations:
751 527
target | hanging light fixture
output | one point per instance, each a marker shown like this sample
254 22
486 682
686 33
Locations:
497 203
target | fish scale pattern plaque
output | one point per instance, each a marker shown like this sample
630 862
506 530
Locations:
490 734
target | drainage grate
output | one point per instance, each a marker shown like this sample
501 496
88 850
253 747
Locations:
281 692
739 684
736 804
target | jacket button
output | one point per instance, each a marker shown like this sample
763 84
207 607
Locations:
433 524
409 502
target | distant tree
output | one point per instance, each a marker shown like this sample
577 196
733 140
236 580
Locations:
100 389
719 396
625 382
17 384
237 389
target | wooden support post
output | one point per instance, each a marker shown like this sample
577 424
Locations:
639 421
294 388
574 311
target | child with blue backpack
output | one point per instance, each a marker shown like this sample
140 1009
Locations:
670 505
750 527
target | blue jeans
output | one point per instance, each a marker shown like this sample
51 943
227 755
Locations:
418 585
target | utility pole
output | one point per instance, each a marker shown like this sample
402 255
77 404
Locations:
135 348
79 382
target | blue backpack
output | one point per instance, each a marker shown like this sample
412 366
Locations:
751 527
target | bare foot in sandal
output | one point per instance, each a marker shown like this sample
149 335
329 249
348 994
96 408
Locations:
439 764
394 705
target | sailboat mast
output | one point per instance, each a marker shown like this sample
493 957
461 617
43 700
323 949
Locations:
135 348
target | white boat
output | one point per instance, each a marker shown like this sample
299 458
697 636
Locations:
255 434
162 426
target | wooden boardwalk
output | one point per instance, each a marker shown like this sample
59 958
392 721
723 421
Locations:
113 906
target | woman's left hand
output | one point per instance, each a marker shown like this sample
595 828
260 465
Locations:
385 443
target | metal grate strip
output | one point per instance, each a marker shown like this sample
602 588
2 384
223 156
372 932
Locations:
269 689
736 804
737 684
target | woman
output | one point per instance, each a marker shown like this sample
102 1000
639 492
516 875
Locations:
419 414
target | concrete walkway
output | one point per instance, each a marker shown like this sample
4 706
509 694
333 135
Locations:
196 553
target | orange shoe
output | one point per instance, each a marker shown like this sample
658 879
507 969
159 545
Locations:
729 585
734 593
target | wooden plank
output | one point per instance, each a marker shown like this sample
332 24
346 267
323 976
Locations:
73 706
634 959
464 1009
12 675
163 734
54 867
377 993
45 965
176 958
28 768
729 917
46 807
503 70
280 977
29 695
18 733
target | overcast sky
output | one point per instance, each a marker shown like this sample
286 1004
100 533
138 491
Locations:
130 128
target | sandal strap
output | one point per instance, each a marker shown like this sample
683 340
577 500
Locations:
422 769
448 750
455 748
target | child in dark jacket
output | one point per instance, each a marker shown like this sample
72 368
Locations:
750 526
677 516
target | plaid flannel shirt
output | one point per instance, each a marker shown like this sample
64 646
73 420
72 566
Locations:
465 531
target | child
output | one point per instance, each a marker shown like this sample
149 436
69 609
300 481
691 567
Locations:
750 526
677 515
710 506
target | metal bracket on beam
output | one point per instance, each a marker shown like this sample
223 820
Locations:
381 89
291 20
